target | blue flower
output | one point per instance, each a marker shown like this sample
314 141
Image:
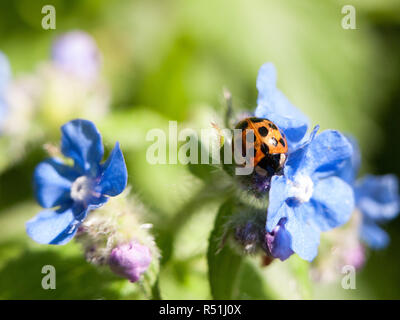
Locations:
350 169
377 198
309 198
273 105
72 191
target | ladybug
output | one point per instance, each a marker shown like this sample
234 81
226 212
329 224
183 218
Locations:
270 145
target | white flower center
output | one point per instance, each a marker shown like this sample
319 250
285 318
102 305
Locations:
302 188
81 189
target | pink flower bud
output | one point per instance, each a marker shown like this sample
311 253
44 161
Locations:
130 260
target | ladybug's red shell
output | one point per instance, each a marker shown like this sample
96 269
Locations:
270 145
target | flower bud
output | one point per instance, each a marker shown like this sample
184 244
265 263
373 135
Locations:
130 260
248 236
113 236
248 228
278 242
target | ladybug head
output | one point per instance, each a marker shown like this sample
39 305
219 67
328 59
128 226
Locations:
272 164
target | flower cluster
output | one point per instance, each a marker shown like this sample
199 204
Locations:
70 193
317 191
376 198
66 86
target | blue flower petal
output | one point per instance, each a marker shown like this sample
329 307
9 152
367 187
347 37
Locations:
52 182
52 227
350 167
304 234
296 158
273 105
279 242
81 210
115 175
82 142
334 202
293 129
277 197
378 197
373 235
95 203
322 157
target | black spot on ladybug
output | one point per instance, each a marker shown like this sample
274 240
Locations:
272 126
282 142
273 141
255 120
242 125
264 148
263 131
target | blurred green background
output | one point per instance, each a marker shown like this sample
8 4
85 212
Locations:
169 60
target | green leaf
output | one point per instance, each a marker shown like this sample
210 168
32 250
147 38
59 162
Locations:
231 275
252 283
223 264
